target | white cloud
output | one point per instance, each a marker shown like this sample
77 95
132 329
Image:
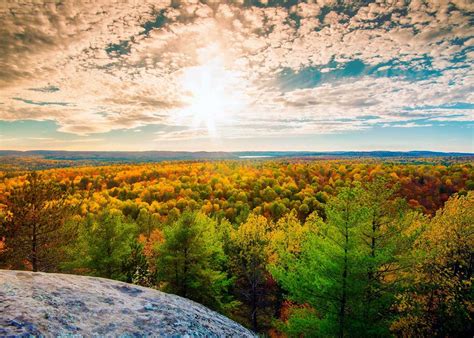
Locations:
114 76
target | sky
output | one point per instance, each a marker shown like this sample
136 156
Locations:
237 75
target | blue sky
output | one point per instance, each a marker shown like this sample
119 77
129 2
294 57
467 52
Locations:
225 75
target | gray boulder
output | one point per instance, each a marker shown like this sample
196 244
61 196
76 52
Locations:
52 304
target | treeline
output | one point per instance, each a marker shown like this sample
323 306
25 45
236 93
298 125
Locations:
366 263
234 189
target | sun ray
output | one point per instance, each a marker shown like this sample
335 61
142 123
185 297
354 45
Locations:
210 94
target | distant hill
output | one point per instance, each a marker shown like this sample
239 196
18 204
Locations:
155 156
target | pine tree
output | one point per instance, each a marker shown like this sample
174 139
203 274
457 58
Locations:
190 261
103 243
326 274
136 267
147 222
32 228
383 244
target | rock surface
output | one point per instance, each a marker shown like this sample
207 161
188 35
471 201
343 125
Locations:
58 304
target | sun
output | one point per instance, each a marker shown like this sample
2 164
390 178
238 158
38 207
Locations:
210 95
205 95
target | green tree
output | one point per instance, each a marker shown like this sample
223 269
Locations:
383 243
190 261
33 224
326 273
147 222
104 242
136 267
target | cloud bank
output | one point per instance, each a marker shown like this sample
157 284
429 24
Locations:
260 68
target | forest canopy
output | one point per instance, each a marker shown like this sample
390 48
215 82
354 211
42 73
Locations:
286 247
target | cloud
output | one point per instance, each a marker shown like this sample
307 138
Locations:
408 125
309 68
47 89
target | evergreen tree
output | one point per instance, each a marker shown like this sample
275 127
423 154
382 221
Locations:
383 244
104 242
190 261
287 237
33 226
136 267
326 274
147 222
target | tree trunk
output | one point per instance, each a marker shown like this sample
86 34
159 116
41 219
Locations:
34 249
108 268
254 309
185 273
342 310
254 297
370 275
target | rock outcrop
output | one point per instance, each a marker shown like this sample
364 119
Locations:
59 304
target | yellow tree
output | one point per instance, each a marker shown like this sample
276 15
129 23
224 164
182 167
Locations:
288 234
249 259
438 298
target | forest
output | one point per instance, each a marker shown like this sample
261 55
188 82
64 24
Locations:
286 247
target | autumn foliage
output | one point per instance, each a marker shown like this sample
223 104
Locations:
288 248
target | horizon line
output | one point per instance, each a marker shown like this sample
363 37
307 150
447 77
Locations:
239 151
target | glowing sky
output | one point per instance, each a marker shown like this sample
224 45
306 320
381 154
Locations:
237 75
